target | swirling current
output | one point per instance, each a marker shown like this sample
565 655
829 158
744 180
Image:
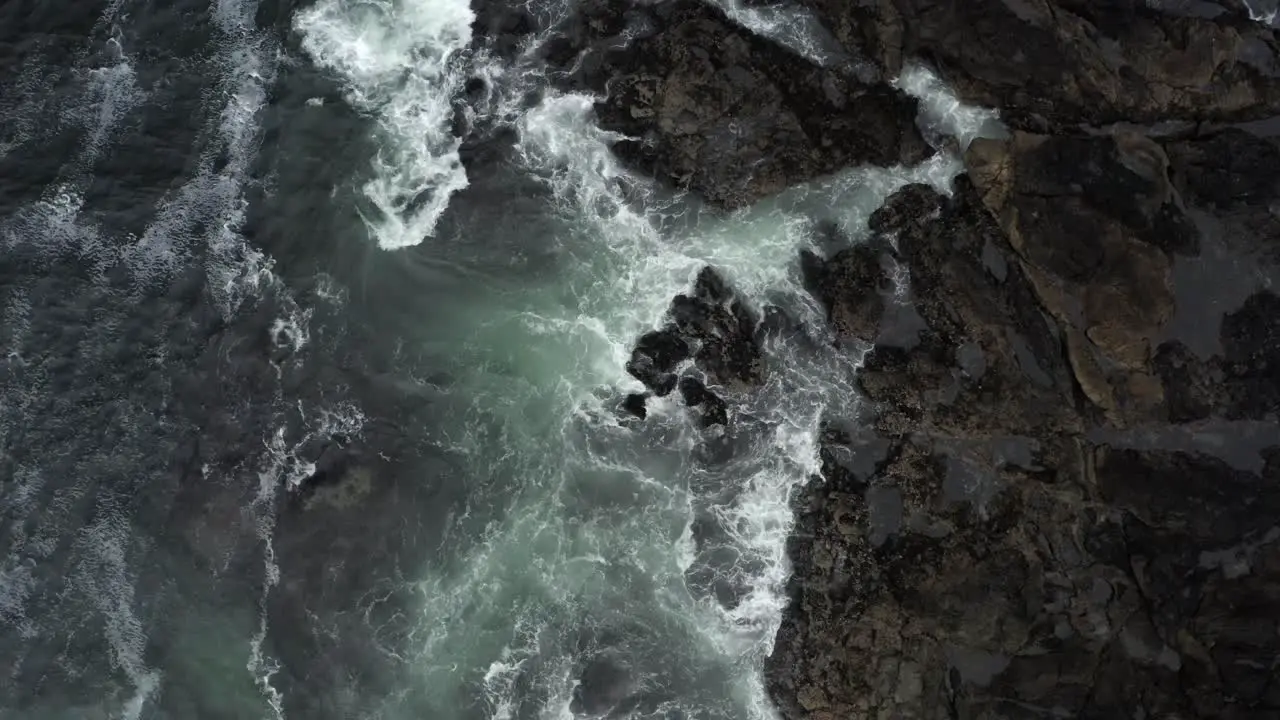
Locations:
308 412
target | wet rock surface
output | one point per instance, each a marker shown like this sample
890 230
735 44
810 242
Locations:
708 340
1052 64
1013 553
1063 499
711 107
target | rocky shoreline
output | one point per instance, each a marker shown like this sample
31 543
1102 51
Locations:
1065 501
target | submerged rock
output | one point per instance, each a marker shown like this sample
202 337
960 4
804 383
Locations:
708 106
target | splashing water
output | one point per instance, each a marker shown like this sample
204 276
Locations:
399 60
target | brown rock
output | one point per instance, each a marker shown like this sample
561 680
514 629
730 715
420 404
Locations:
1097 223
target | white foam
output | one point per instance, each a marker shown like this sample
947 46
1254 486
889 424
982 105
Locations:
113 92
792 26
283 466
1263 11
756 250
499 681
632 247
941 112
106 580
262 667
399 62
292 331
208 211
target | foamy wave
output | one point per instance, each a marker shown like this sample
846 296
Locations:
1263 11
791 26
756 250
399 60
941 112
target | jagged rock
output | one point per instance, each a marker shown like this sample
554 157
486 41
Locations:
723 328
999 562
1251 358
1096 224
1230 176
656 354
711 107
975 319
1053 64
1242 383
710 407
712 327
988 554
501 27
1229 169
634 403
852 286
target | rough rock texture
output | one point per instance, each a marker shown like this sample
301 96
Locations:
1055 63
1228 365
709 340
1095 222
1230 177
713 108
1008 556
1064 500
853 285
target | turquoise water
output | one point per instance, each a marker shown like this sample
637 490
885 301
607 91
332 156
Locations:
500 542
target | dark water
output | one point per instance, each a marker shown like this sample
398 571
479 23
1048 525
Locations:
145 377
280 440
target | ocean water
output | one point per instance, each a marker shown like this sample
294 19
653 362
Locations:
307 413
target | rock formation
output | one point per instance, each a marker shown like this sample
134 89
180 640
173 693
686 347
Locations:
710 339
711 107
1010 556
1052 64
1065 500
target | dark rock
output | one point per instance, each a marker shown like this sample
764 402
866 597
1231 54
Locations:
1055 64
852 286
1000 563
1227 169
986 544
947 244
1231 176
711 107
1251 363
1191 390
712 327
634 403
501 27
711 408
656 354
724 329
1097 224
